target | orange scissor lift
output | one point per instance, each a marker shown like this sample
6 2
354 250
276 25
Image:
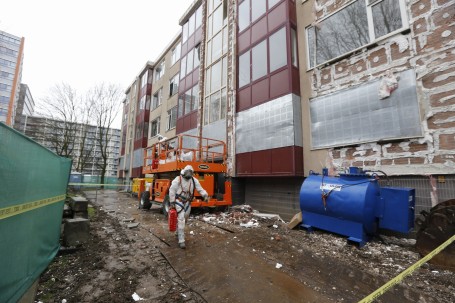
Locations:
167 158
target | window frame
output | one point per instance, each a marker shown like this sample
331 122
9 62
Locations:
176 53
171 118
373 39
174 85
159 97
157 122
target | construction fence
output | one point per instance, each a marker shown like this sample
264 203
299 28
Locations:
33 184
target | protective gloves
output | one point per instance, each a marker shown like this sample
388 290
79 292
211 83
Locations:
206 198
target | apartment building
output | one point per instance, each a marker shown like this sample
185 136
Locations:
11 60
293 86
82 147
25 107
377 82
149 109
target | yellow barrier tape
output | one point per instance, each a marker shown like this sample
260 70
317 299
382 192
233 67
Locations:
22 208
383 289
92 184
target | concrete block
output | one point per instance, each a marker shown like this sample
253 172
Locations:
78 203
80 214
76 231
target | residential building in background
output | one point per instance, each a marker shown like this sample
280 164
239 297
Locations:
11 60
294 86
25 108
82 140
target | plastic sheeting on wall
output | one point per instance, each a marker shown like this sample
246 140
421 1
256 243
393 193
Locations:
33 183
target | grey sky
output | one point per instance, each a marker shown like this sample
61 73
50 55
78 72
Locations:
86 42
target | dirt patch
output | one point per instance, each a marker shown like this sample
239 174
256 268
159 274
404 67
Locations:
234 263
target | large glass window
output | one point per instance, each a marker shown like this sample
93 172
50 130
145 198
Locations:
198 17
193 23
259 56
258 8
386 17
244 15
189 61
294 53
188 98
244 69
195 97
278 50
353 27
183 67
216 62
185 32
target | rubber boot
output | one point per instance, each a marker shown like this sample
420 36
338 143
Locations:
181 236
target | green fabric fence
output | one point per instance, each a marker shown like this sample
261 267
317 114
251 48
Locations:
33 182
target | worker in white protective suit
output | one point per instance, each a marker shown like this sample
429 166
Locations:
181 194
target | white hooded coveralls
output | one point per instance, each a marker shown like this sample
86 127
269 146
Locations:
184 187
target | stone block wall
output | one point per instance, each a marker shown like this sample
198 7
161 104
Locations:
428 47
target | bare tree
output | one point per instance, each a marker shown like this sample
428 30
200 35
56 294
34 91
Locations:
61 109
105 101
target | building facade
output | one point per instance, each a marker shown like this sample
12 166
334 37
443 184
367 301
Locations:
11 59
149 109
378 90
83 147
293 86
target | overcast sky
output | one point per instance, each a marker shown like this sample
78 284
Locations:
86 42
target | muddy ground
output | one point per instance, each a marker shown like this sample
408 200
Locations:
231 256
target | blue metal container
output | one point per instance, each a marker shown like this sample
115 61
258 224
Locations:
352 205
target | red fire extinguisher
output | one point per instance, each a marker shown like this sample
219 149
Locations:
172 219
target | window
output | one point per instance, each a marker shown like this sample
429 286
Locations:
294 52
216 63
266 57
142 103
195 97
174 85
155 127
259 62
187 106
244 15
189 101
189 61
278 53
159 70
185 32
354 26
244 69
157 98
175 54
180 105
198 17
144 79
193 23
183 67
258 9
171 118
